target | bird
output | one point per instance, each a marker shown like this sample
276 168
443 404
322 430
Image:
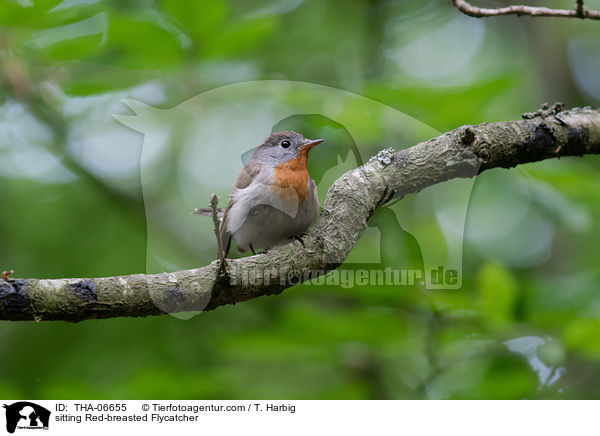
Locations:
273 200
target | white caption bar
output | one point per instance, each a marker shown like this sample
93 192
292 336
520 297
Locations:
44 418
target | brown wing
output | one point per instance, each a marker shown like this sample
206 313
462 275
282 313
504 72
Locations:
243 180
247 174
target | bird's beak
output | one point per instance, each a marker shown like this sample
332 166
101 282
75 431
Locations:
311 143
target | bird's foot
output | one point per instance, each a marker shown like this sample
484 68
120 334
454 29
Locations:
254 253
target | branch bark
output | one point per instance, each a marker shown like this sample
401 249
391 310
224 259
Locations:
464 152
579 11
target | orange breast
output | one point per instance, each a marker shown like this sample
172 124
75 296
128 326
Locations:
293 174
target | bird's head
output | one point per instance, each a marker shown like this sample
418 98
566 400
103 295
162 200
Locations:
282 147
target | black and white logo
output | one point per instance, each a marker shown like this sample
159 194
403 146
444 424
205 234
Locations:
26 415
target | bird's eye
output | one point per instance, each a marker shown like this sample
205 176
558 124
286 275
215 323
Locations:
285 144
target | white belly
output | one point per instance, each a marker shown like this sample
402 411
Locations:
260 219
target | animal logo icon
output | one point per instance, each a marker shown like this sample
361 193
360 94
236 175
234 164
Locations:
25 414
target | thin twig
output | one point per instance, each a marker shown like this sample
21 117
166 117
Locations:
214 202
580 11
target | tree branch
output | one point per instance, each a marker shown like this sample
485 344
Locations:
579 11
464 152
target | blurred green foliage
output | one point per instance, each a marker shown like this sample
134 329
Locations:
526 322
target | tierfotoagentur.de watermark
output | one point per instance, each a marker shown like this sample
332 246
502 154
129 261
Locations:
347 278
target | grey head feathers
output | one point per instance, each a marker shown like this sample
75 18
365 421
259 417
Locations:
279 147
